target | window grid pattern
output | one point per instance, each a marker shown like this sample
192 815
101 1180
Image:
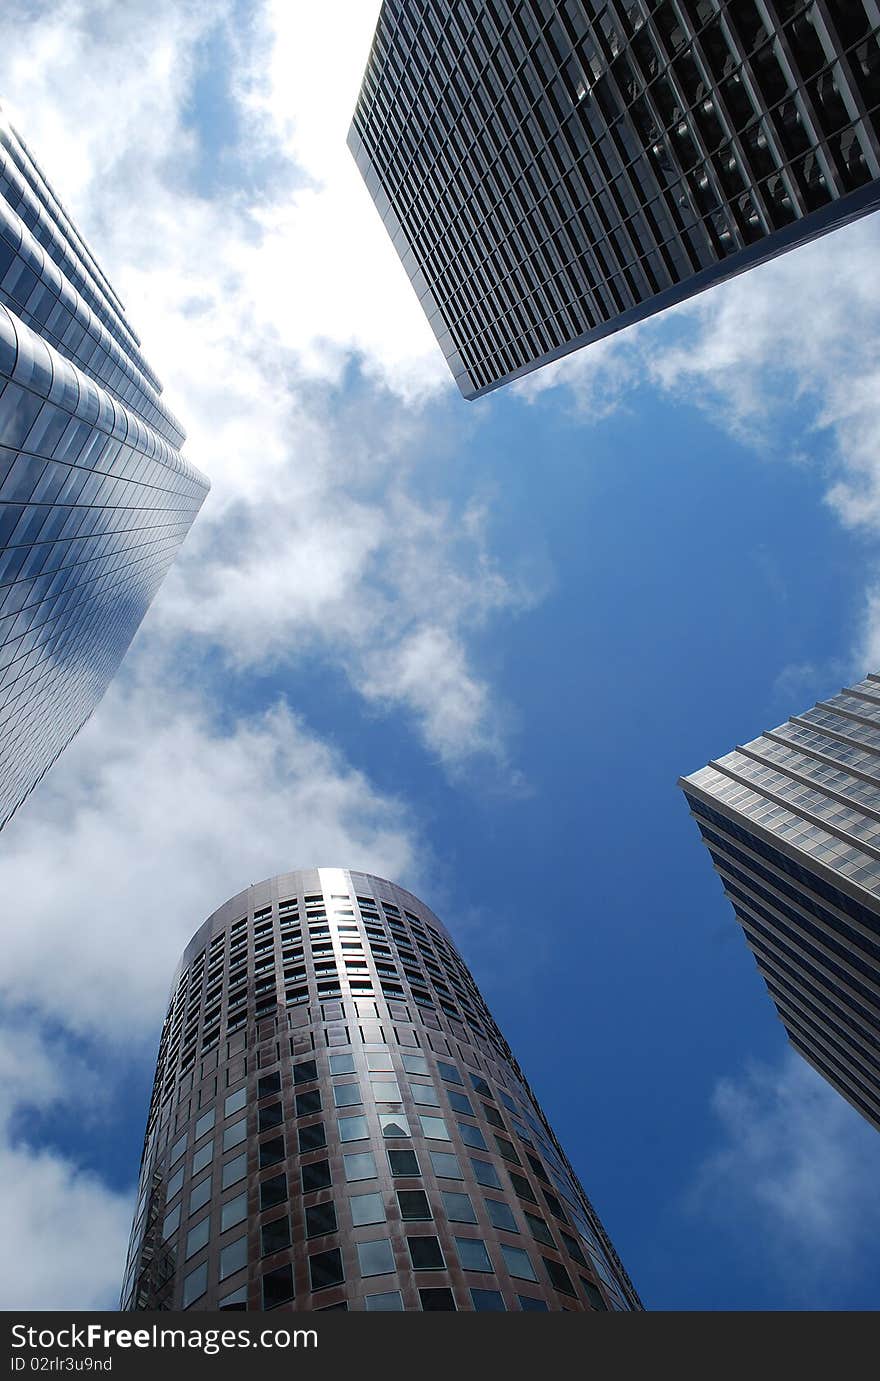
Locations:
95 497
553 169
792 824
341 1119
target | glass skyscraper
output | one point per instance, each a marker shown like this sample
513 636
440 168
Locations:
792 824
338 1123
553 170
95 497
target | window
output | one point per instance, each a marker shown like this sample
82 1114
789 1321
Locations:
315 1176
346 1094
559 1277
394 1124
527 1302
472 1136
486 1301
342 1064
311 1138
485 1173
271 1151
415 1064
200 1195
436 1299
522 1187
195 1284
174 1184
573 1249
270 1083
366 1208
269 1117
275 1236
507 1150
325 1269
375 1258
380 1062
425 1094
413 1205
472 1254
233 1212
273 1191
171 1222
596 1300
177 1149
385 1090
236 1301
204 1124
234 1170
404 1163
446 1165
277 1287
359 1166
233 1257
305 1072
353 1128
493 1115
203 1157
501 1215
540 1230
425 1253
459 1208
307 1103
434 1127
518 1262
234 1134
460 1102
449 1072
390 1299
320 1219
235 1102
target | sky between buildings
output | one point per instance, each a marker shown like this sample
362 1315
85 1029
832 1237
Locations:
469 647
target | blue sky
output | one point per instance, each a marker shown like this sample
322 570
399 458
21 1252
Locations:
468 646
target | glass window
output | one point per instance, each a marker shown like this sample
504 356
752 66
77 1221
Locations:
480 1085
305 1071
275 1236
446 1165
403 1163
413 1205
540 1230
522 1187
559 1277
385 1090
235 1102
449 1072
375 1258
486 1301
342 1064
200 1194
501 1215
269 1117
359 1166
177 1149
434 1127
308 1102
320 1219
440 1298
174 1184
203 1156
485 1173
425 1253
415 1064
529 1302
277 1286
325 1269
197 1237
171 1222
389 1299
233 1212
472 1136
353 1128
270 1083
425 1094
366 1208
394 1124
237 1300
271 1152
459 1208
593 1295
234 1134
273 1191
315 1176
311 1138
380 1061
472 1254
195 1284
460 1102
518 1262
233 1257
234 1170
204 1124
346 1094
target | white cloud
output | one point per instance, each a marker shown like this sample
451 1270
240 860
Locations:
794 1177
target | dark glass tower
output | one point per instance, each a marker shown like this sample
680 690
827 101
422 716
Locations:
95 498
338 1123
792 823
553 170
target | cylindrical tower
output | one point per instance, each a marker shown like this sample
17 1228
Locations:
338 1123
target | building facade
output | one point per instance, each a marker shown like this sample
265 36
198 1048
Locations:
338 1123
552 170
792 824
95 497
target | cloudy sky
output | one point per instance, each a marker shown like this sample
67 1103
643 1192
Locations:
469 647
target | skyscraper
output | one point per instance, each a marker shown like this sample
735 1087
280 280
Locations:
553 170
792 823
338 1123
95 497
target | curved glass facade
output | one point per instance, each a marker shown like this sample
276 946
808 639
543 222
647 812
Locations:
338 1123
95 497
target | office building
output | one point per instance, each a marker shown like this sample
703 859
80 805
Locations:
792 824
553 170
95 497
338 1123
